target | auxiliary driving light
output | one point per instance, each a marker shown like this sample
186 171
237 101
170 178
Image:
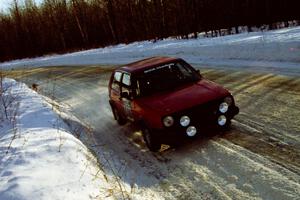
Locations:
184 121
191 131
223 108
228 100
168 121
222 120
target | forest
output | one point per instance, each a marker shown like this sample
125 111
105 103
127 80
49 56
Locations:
58 26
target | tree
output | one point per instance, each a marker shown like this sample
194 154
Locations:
57 26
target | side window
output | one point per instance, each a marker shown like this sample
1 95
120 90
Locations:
126 79
117 76
126 84
116 81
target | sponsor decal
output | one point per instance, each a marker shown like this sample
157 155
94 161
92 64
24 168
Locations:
159 67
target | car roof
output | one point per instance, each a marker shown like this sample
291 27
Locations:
147 63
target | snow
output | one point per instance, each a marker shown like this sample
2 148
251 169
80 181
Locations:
268 50
39 158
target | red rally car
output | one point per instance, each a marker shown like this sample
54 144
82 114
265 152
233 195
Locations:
169 99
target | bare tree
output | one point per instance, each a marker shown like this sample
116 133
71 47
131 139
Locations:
29 29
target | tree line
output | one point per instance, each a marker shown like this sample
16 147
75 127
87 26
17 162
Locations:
57 26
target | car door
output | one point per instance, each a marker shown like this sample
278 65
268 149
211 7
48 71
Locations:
126 97
115 92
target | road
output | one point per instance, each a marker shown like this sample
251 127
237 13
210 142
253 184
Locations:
259 158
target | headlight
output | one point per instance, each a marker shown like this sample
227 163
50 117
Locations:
222 120
191 131
223 108
228 100
168 121
185 121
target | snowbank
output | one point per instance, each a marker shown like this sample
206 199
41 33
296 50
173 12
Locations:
279 48
39 158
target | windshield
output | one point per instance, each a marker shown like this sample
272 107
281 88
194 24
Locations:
165 77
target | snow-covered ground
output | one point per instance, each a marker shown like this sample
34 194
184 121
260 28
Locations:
39 158
268 50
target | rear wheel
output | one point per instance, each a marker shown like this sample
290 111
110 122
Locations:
121 120
150 140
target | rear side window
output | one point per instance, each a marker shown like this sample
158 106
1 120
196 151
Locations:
117 76
116 81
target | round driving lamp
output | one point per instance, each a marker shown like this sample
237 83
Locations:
168 121
223 108
222 120
191 131
184 121
228 100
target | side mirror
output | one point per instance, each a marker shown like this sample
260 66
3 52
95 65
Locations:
198 72
125 95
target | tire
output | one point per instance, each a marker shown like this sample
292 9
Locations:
118 117
150 140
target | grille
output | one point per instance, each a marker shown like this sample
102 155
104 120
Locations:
200 114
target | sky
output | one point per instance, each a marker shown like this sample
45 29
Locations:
5 4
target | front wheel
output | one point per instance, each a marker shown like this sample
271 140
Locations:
118 116
150 140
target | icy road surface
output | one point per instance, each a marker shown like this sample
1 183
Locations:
258 159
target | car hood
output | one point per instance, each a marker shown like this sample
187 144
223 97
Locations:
184 97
